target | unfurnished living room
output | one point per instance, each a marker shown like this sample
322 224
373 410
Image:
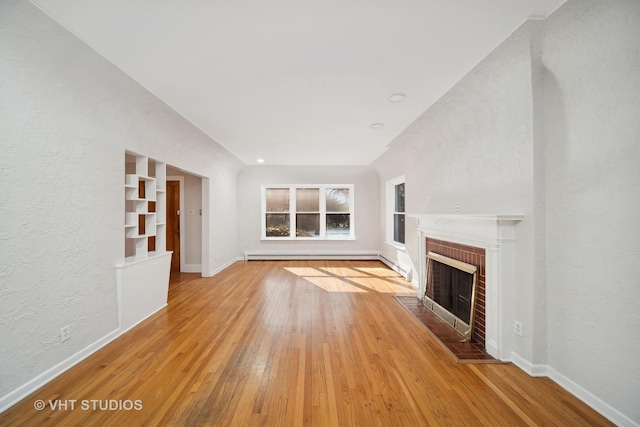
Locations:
329 214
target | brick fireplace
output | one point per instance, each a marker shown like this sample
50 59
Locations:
487 241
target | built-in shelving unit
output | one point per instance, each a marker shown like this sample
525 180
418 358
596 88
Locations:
143 276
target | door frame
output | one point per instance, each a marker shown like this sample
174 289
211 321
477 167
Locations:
181 218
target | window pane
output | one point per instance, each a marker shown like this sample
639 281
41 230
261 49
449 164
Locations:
277 199
308 199
337 200
338 225
307 225
277 225
400 197
398 228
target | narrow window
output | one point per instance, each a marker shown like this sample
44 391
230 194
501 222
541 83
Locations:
398 214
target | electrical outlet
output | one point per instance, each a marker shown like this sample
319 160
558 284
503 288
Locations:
456 208
65 333
517 328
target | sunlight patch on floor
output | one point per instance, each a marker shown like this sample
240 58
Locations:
355 280
306 272
344 272
333 284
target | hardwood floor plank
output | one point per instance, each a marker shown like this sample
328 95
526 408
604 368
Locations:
294 343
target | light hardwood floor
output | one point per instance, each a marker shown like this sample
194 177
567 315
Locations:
293 343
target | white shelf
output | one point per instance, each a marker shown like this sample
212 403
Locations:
142 189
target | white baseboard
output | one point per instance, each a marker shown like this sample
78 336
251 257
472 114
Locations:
192 268
29 387
528 367
609 412
250 255
606 410
492 348
222 267
394 266
123 331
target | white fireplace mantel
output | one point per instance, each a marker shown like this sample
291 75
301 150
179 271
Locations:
496 234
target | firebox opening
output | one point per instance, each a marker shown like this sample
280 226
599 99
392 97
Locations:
451 291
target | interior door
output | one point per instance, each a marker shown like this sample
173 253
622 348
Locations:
173 223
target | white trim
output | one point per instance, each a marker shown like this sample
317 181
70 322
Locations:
396 245
191 268
129 261
606 410
222 267
395 266
142 320
528 367
597 404
206 227
29 387
311 255
181 218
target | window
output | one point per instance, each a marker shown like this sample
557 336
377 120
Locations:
307 212
278 212
396 211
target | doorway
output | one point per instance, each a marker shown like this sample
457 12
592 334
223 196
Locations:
173 223
185 231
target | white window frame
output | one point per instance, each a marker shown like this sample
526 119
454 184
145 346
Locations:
391 209
323 211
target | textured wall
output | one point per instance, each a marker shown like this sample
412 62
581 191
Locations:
591 55
62 200
365 180
67 116
474 147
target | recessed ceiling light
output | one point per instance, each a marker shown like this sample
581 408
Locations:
397 97
377 125
260 160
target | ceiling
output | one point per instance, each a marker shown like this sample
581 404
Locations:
296 82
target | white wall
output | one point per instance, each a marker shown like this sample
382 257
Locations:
366 193
67 117
549 125
591 58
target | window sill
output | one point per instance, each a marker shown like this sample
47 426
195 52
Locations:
399 246
308 239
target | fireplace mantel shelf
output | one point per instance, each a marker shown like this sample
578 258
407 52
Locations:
471 217
482 230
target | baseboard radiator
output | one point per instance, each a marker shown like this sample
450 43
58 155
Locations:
263 255
395 266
